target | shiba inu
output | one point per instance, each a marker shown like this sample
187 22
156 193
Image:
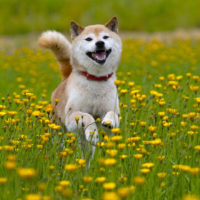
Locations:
88 65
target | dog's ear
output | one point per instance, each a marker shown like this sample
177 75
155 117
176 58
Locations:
75 29
112 24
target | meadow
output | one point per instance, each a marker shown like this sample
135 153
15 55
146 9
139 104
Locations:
153 155
18 17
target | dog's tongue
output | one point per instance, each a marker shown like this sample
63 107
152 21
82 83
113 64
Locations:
100 55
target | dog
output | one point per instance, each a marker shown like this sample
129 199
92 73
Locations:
88 65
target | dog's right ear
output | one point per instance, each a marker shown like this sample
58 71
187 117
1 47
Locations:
75 29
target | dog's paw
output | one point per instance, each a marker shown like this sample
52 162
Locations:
110 120
108 124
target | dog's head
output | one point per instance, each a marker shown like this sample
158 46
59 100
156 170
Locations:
97 48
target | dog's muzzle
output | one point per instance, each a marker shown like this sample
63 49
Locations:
100 54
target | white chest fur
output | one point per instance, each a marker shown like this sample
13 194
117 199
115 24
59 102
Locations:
93 97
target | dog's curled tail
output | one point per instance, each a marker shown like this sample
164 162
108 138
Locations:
61 48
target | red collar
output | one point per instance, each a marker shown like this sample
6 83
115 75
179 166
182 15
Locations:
96 78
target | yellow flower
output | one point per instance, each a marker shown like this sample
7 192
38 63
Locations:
139 180
100 179
197 148
36 113
145 171
143 124
71 167
190 197
3 180
77 118
27 172
2 114
109 185
64 183
117 82
10 165
87 179
148 165
152 128
116 138
123 91
161 114
42 186
51 167
138 156
123 156
160 158
110 196
194 170
33 197
125 191
112 152
81 162
108 122
121 146
115 130
197 99
161 175
110 161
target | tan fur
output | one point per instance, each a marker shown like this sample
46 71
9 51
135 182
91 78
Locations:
58 100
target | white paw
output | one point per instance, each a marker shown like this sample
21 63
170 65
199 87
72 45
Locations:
111 120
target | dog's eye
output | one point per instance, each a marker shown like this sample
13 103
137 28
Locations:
105 37
88 39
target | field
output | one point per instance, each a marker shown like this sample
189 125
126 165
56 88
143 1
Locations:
18 17
155 154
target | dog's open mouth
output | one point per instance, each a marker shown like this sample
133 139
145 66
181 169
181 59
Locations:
99 56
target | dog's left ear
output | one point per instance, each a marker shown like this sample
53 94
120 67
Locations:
75 29
112 24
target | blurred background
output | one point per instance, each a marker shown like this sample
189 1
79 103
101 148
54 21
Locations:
25 16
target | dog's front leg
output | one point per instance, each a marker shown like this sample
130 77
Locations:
111 120
78 120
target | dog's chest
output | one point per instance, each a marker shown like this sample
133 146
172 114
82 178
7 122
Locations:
93 97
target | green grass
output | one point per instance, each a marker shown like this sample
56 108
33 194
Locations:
153 77
24 16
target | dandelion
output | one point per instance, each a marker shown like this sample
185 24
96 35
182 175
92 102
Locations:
148 165
197 148
139 180
27 172
110 161
110 196
42 186
3 180
138 156
64 183
33 197
125 191
115 130
10 165
190 197
152 128
161 175
109 185
2 114
87 179
145 171
70 167
101 179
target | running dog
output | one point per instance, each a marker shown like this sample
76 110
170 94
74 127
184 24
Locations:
88 65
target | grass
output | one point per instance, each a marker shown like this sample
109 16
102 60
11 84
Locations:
143 15
155 154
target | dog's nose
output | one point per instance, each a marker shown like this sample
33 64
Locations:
100 44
